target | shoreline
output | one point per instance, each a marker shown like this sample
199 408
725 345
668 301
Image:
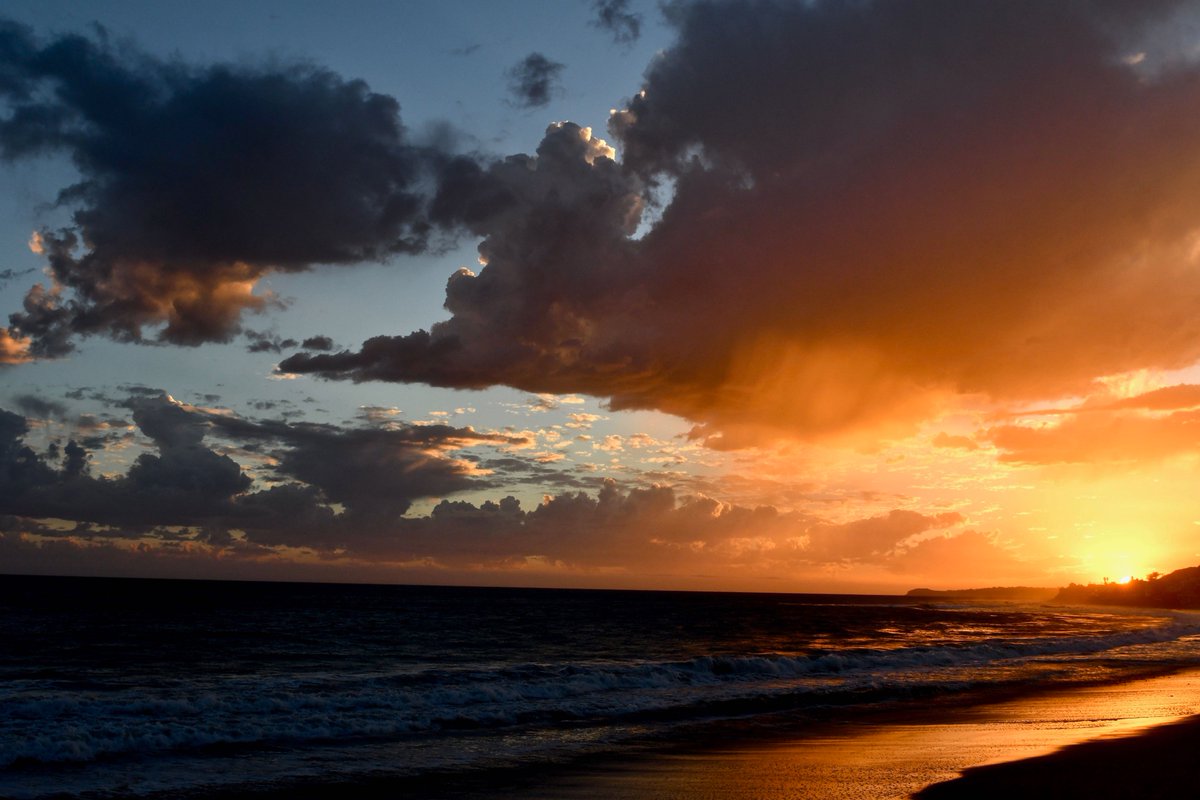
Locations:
893 754
898 754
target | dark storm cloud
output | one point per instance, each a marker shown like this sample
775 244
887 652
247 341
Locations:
615 17
197 180
871 210
533 80
558 246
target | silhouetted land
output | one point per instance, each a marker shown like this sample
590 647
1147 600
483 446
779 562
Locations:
1178 589
1007 594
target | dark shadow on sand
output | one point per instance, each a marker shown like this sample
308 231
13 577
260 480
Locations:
1163 762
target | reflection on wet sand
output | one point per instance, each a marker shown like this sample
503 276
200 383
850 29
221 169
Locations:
895 757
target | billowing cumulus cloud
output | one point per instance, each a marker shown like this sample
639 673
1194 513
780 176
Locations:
871 209
195 181
559 245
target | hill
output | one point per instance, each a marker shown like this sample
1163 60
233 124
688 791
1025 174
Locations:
1008 594
1178 589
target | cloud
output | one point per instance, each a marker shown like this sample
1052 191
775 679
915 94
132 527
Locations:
334 485
874 537
1183 395
651 529
267 342
1149 426
944 439
969 553
319 342
572 206
1100 437
7 275
533 80
346 493
869 211
32 405
195 181
615 17
14 349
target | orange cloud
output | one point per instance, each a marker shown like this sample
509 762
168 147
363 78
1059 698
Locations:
944 439
970 553
1100 437
13 349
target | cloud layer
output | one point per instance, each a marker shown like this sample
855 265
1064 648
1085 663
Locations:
872 209
345 494
324 484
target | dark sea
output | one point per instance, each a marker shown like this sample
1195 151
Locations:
112 687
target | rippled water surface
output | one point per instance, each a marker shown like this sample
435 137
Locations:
132 687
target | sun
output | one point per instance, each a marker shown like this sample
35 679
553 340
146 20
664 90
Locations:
1126 579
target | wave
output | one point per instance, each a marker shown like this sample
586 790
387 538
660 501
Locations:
43 724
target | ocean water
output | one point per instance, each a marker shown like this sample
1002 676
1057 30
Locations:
114 687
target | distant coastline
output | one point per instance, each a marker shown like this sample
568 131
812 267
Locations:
1178 589
1008 594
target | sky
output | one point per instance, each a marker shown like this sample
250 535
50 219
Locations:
755 296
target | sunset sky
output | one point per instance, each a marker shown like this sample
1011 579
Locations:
771 296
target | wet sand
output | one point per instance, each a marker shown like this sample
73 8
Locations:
896 757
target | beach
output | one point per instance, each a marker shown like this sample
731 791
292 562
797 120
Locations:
1133 739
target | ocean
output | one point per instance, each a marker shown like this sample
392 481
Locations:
136 688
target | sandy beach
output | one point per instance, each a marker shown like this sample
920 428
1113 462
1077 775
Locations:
1109 730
